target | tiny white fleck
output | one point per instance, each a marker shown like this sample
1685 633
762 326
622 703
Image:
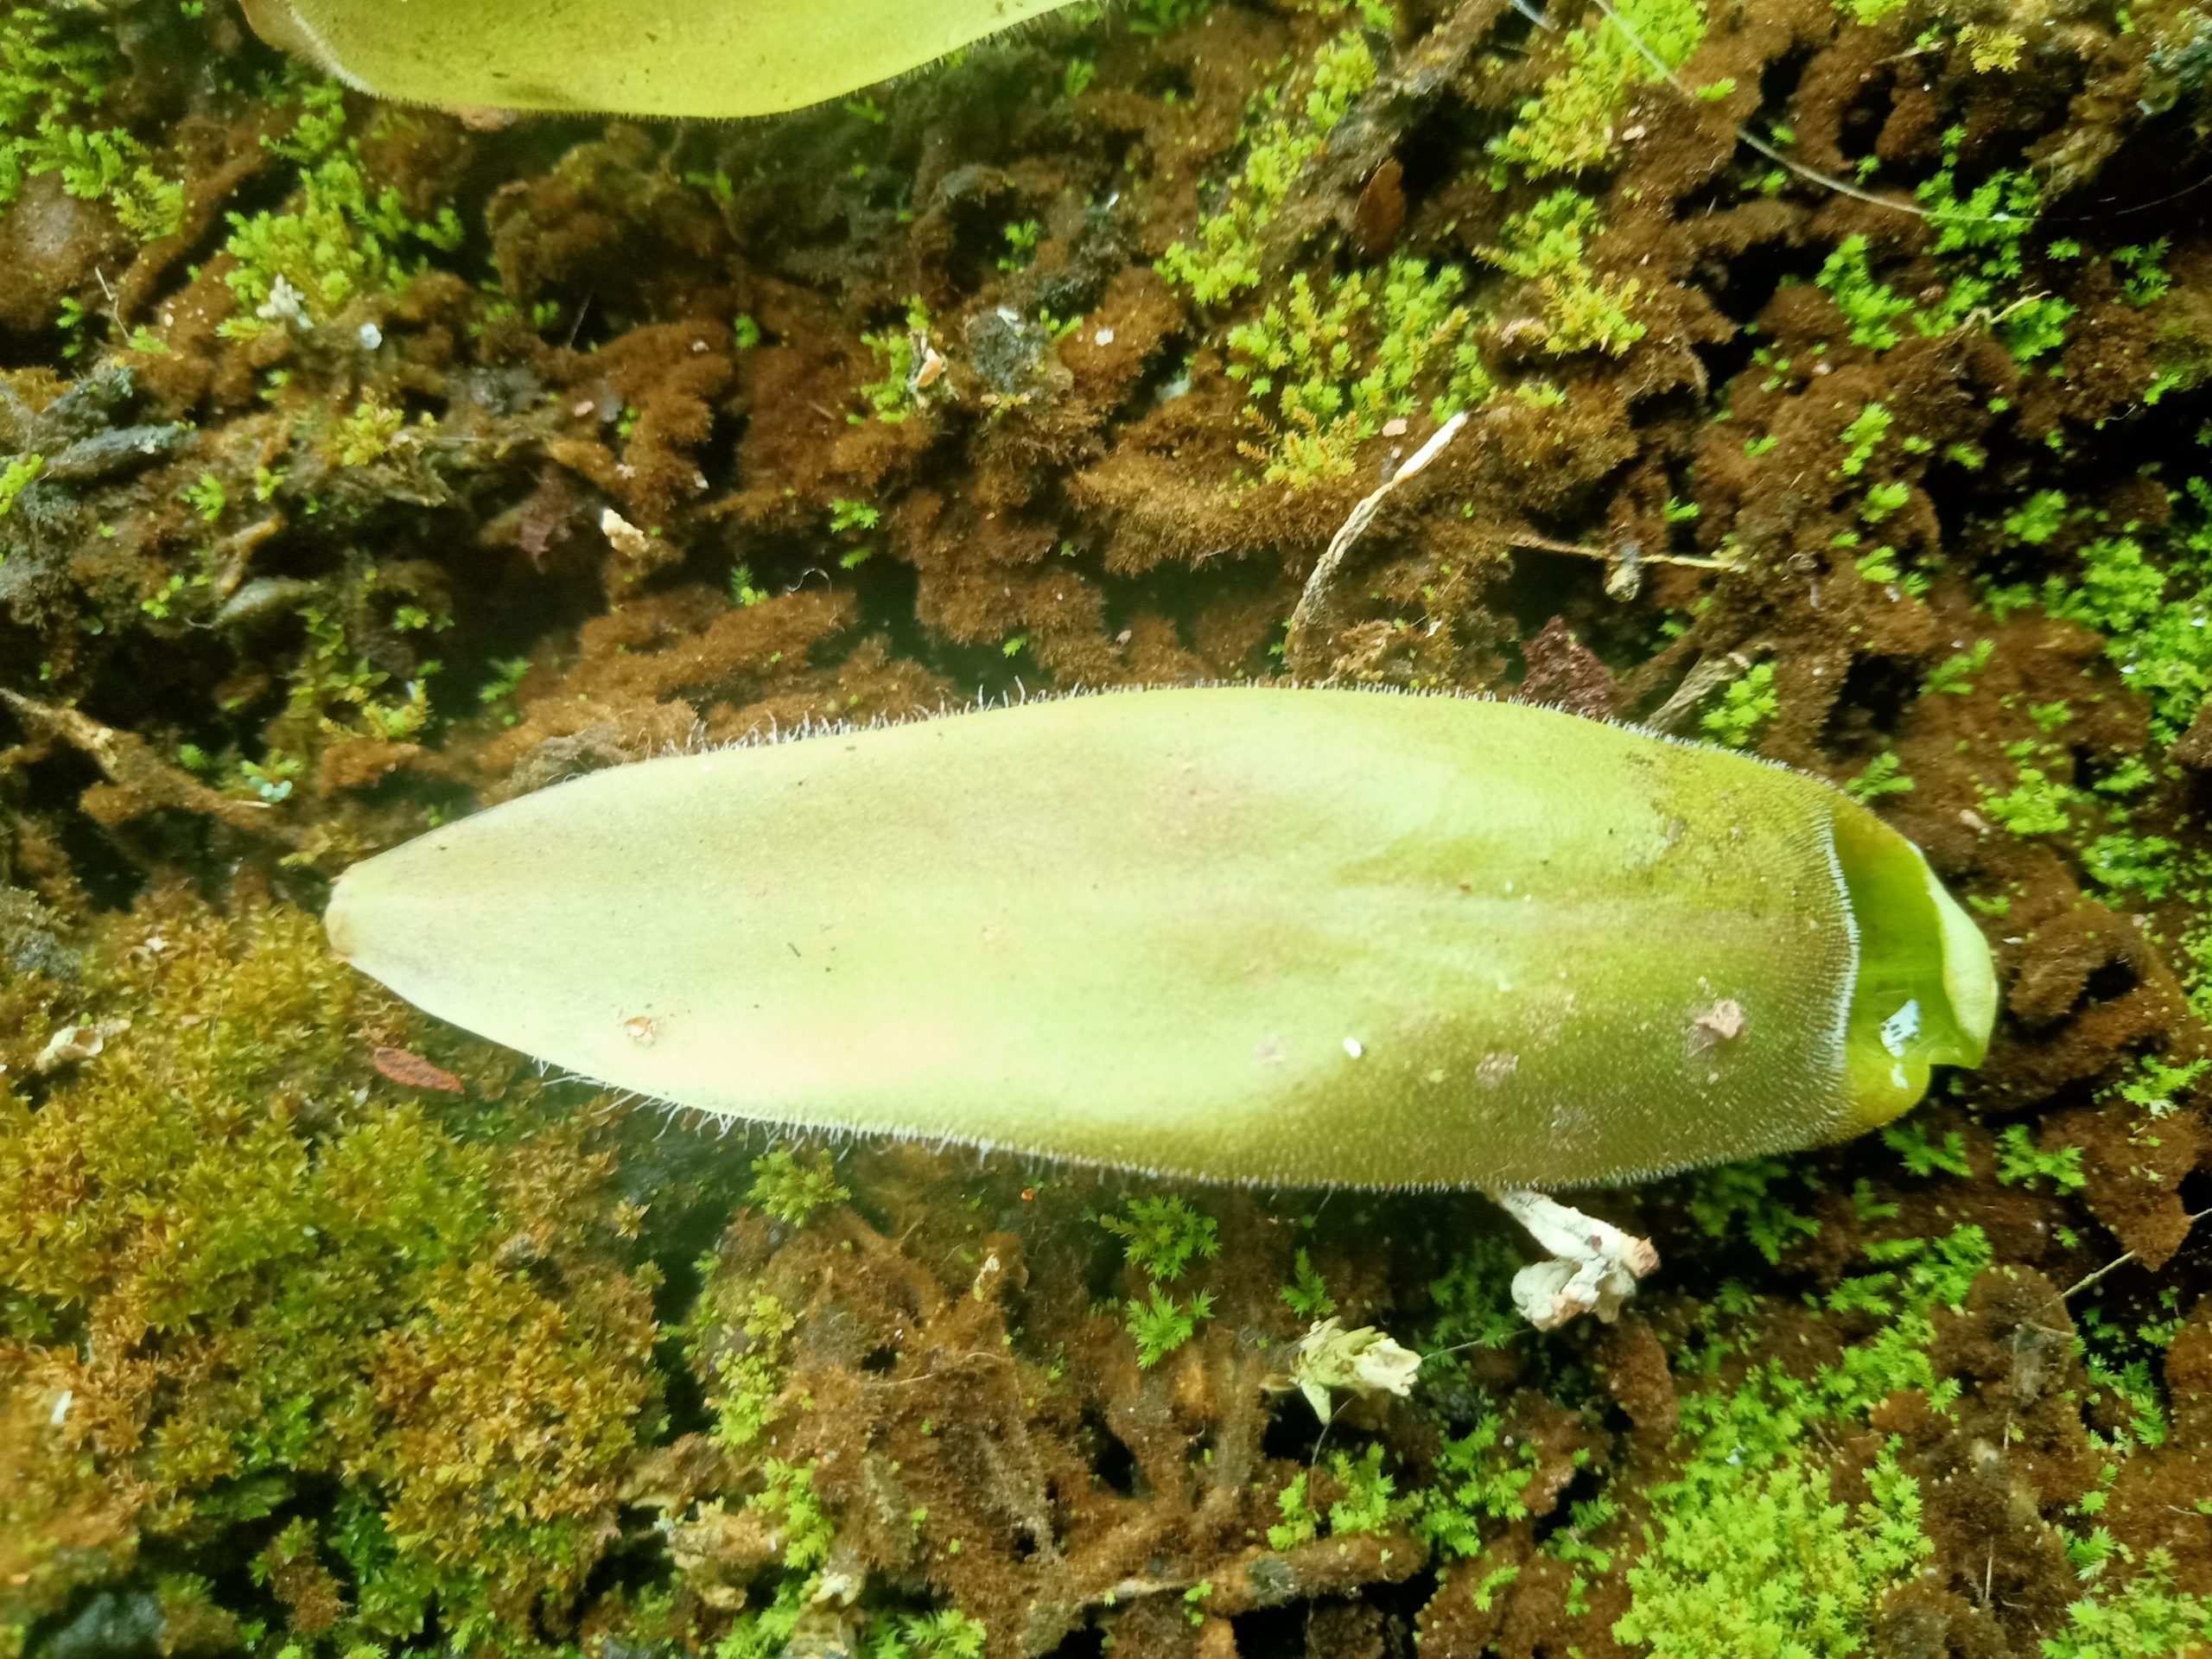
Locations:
1104 337
1901 1027
372 336
61 1407
282 305
1353 1048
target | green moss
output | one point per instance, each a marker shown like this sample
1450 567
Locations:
1769 1565
1326 371
947 1633
1568 126
1954 676
791 1189
2146 1619
1583 310
1884 775
2020 1162
1474 1299
1160 1324
2152 611
1286 132
803 1534
1866 433
1300 1524
2130 863
1981 242
899 354
52 78
1872 308
749 1376
1478 1480
2038 518
1746 708
1923 1157
304 1284
1370 1504
1307 1294
18 475
1883 499
1162 1237
1738 1199
364 435
338 238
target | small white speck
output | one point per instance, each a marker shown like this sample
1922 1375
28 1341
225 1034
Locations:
371 335
61 1407
1103 337
1353 1048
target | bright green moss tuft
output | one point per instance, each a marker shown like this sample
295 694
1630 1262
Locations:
1746 707
791 1189
1568 127
1739 1199
1768 1566
1162 1237
1326 371
1583 310
1478 1480
1160 1324
2147 1618
1223 261
2038 804
2152 611
52 80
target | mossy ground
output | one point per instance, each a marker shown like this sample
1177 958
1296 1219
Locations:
359 467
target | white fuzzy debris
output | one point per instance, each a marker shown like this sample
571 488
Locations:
284 304
62 1401
371 335
1901 1027
624 536
1354 1047
1593 1266
75 1044
1362 1362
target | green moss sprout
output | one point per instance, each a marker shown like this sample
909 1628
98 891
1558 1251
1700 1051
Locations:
791 1188
1308 1294
1770 1564
1287 131
18 475
1570 125
1883 775
1162 1237
899 354
52 78
1549 244
2020 1162
1746 706
1740 1199
1160 1324
1478 1479
338 239
1328 371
